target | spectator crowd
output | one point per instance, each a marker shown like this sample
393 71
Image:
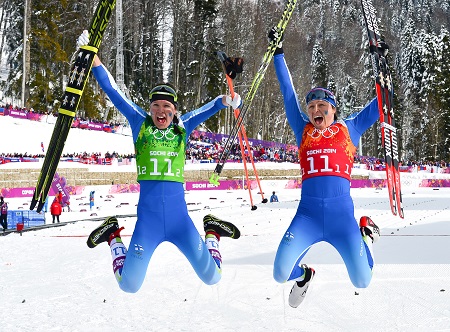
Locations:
202 148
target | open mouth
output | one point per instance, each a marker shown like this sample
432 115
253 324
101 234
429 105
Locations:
161 119
318 120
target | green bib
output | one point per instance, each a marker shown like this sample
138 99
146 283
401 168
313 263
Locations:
160 153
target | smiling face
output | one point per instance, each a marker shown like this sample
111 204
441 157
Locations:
162 113
321 113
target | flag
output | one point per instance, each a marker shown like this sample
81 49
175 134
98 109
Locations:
42 146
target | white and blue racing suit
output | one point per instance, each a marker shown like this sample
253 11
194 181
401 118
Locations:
326 210
162 213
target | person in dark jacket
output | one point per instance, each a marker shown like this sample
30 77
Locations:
3 214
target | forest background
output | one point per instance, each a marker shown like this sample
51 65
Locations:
325 44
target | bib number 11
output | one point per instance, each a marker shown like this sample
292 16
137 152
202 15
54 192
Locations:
326 167
154 172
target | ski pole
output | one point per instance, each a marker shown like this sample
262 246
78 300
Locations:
242 135
223 58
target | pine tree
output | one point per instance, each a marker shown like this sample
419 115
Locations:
411 69
13 48
46 76
319 67
348 103
440 94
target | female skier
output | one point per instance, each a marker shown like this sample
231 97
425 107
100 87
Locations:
160 138
325 212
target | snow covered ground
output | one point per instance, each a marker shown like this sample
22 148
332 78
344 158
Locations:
51 281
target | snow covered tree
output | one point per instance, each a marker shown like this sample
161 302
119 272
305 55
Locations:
319 67
439 94
348 102
13 48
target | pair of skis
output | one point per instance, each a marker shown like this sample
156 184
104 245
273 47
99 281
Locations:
267 58
79 74
385 96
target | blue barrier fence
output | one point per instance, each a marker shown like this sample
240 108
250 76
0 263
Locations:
27 217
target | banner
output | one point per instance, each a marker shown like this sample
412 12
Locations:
27 217
21 114
223 185
59 184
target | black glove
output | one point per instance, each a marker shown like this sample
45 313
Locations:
272 36
233 66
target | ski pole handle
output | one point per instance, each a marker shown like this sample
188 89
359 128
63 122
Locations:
223 57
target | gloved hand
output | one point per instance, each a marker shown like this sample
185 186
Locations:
233 66
235 102
83 39
272 36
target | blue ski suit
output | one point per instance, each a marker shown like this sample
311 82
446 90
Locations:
162 213
326 210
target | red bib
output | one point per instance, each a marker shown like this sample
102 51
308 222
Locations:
328 152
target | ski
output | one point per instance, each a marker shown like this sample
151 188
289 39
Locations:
385 96
78 77
268 55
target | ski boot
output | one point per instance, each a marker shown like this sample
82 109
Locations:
368 228
102 233
298 291
219 227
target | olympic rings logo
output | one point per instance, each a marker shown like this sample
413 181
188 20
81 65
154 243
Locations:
326 133
160 134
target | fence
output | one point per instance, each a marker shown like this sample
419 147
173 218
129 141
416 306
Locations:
27 217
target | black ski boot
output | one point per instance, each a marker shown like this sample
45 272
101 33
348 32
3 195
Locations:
213 224
102 232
